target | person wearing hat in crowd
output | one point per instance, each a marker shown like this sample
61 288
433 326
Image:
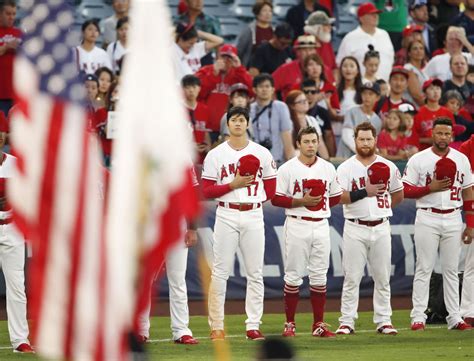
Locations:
356 42
419 14
239 97
413 142
465 19
410 33
269 55
216 80
429 112
297 14
91 84
398 85
393 19
370 94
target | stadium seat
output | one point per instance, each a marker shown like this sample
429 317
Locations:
94 9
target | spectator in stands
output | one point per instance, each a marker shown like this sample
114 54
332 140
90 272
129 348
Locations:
370 94
109 25
454 102
356 42
319 24
117 49
204 22
413 143
299 106
322 116
410 33
91 84
438 67
446 10
398 85
466 19
270 55
90 57
257 32
189 51
429 112
393 19
198 115
371 65
459 69
297 14
419 14
441 32
391 141
416 76
10 39
105 78
216 80
270 119
239 97
384 89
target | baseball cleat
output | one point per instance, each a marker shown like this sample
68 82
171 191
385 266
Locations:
290 330
344 330
255 335
469 320
462 326
320 329
24 348
387 330
186 340
217 335
418 326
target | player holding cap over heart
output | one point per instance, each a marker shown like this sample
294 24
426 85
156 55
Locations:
307 188
440 179
240 175
371 186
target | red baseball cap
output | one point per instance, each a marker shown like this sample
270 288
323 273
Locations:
410 29
432 81
228 49
379 173
445 168
3 123
367 8
316 188
399 70
248 165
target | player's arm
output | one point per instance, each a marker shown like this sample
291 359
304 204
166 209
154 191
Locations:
397 197
370 190
270 188
412 191
211 190
468 207
284 201
190 237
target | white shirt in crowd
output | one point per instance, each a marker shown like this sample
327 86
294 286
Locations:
356 44
191 62
90 61
438 67
115 51
109 29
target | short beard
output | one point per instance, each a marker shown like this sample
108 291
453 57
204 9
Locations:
364 154
323 36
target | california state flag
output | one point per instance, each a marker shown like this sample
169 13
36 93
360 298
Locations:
151 188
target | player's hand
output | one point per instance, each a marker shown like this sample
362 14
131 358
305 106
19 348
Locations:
203 147
374 189
439 185
467 235
190 238
219 65
241 181
310 201
236 61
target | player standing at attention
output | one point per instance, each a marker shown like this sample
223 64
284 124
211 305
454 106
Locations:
240 175
440 179
307 188
371 186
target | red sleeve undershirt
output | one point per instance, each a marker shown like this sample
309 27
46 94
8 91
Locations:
211 190
411 191
286 202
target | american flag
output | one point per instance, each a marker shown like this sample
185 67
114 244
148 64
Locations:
57 196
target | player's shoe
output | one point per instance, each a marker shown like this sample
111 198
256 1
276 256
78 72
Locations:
469 320
290 330
217 335
255 335
387 330
418 326
142 339
186 340
344 330
24 348
462 326
320 329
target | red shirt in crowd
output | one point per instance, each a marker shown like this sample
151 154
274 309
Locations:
327 87
215 90
99 126
199 118
424 122
468 149
393 146
6 61
388 105
326 52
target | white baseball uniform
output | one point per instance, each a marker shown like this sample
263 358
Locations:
12 262
307 243
367 243
238 229
438 224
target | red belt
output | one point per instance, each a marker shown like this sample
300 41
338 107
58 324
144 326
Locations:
440 211
240 206
309 219
368 223
5 221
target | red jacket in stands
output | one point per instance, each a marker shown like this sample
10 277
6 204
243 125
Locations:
424 122
215 90
6 61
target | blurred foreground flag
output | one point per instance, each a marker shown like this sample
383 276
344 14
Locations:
57 197
152 185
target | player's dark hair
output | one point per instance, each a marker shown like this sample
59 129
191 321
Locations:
185 31
121 22
357 80
308 83
88 22
371 53
283 30
4 3
304 131
190 80
443 121
317 59
259 6
365 126
260 78
451 94
104 69
236 111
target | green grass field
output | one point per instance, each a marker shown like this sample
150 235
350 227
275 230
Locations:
436 343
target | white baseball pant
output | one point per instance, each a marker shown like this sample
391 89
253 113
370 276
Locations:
12 262
244 230
467 298
362 245
433 231
307 248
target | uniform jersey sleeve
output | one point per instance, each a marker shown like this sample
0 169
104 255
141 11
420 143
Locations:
334 188
283 182
466 169
269 167
411 175
395 179
342 178
209 169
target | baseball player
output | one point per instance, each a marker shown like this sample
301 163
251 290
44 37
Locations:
240 175
307 188
371 186
467 297
440 179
